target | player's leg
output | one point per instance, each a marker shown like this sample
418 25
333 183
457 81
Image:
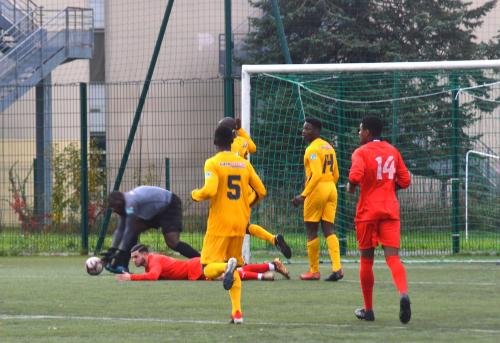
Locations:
333 245
313 250
313 210
172 240
364 235
248 274
217 249
389 233
276 240
170 222
233 248
258 267
332 241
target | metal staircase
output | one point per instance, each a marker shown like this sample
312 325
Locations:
36 42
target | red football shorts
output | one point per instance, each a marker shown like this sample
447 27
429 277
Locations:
372 233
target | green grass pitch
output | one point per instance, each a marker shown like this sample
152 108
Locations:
52 299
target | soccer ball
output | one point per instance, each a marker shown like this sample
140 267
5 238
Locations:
94 265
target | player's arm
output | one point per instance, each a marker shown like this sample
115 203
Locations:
152 275
252 148
211 183
316 168
357 171
257 185
403 178
335 168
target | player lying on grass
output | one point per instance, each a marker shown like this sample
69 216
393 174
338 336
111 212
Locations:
140 209
161 267
243 146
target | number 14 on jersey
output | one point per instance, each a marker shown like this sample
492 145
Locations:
385 168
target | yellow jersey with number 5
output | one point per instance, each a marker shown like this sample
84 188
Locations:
228 181
320 164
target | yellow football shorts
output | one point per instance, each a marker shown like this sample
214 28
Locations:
221 249
321 204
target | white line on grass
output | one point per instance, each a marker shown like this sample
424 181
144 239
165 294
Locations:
215 322
438 283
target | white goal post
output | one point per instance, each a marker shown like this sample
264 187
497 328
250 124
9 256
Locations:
247 71
467 185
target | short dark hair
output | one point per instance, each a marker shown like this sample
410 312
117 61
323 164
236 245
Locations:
314 122
223 136
229 122
373 124
140 248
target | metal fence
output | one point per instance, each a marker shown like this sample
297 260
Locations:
41 164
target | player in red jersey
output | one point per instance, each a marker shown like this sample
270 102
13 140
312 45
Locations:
167 268
379 170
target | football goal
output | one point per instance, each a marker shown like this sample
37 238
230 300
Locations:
434 112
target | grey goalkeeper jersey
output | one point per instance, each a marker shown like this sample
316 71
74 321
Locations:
145 202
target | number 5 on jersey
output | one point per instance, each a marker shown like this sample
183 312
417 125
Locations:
233 184
388 167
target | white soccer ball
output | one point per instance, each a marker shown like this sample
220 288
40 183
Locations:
94 265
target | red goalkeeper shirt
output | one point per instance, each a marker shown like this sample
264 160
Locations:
168 268
377 167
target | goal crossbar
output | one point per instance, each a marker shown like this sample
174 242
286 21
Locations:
247 70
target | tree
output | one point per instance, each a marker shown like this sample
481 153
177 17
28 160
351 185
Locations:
353 31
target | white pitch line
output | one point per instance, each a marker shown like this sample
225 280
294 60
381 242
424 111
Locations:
438 283
213 322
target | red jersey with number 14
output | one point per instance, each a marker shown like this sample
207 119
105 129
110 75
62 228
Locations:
377 167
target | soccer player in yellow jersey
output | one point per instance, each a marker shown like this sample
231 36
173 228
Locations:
228 179
243 146
320 200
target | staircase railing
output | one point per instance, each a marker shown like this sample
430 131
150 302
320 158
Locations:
13 10
71 27
20 29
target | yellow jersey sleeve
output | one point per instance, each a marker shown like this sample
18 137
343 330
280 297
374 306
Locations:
335 168
313 165
251 148
259 190
209 189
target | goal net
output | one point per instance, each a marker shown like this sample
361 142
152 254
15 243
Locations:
434 113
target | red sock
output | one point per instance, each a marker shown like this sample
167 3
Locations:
257 268
247 275
367 281
398 273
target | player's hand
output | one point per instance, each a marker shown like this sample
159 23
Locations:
350 187
297 200
238 123
123 277
108 255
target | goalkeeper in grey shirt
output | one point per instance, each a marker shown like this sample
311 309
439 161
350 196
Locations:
142 208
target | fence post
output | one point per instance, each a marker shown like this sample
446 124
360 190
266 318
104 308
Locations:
135 122
228 71
167 173
341 160
455 167
84 184
395 108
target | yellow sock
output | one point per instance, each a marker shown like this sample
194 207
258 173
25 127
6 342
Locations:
334 249
214 270
313 254
261 233
235 294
